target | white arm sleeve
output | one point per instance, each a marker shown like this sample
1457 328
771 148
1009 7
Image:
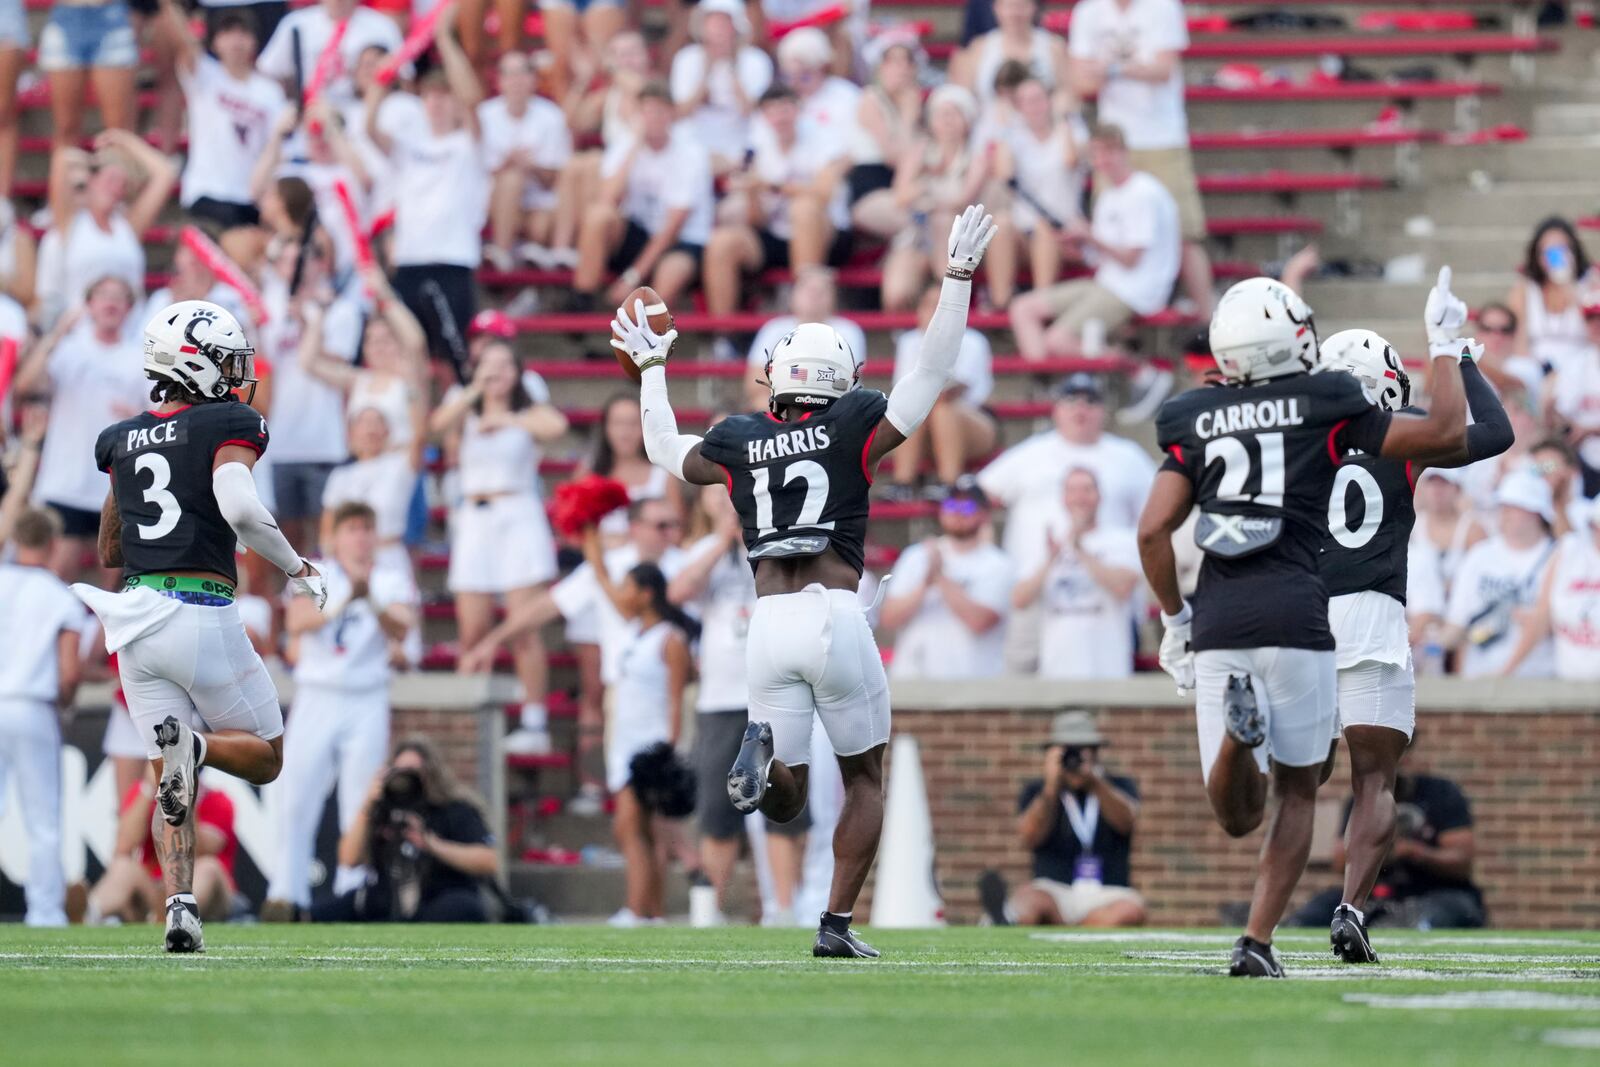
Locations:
665 446
235 489
914 395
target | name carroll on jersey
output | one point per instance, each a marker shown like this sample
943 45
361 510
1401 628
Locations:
1260 415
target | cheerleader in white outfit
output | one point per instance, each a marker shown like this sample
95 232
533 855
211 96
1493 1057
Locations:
646 708
500 539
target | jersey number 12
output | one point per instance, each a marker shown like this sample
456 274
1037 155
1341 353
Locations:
816 478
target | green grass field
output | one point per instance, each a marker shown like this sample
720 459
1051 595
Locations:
570 994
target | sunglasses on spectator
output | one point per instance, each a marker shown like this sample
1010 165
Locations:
959 506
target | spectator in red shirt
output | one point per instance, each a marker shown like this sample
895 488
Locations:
130 890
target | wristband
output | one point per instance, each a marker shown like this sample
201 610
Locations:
1451 349
1182 618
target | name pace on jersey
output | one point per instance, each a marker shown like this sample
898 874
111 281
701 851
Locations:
1259 415
794 443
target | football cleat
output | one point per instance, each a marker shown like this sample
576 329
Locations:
992 894
1241 715
1254 959
747 781
832 944
1349 936
176 792
184 933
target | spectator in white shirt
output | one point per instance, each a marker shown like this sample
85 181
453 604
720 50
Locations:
717 80
951 596
1558 464
527 143
1129 53
1087 585
651 218
1572 396
828 103
441 184
1040 155
1017 37
888 119
313 29
232 112
1568 609
92 365
1498 580
789 210
814 297
958 430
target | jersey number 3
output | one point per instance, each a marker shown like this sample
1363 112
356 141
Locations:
816 479
160 477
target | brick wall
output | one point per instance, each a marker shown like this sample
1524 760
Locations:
1533 780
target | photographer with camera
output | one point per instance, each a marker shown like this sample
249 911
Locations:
1078 822
425 843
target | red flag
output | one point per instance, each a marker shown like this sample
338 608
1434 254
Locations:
422 33
226 270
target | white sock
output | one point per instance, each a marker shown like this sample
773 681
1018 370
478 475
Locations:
1361 916
200 749
187 900
535 717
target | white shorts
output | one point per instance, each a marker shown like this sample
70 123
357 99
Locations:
122 740
1377 694
1295 688
500 545
199 667
1076 901
812 653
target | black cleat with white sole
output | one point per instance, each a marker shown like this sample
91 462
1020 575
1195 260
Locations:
747 781
842 945
1241 715
1254 959
176 791
1349 936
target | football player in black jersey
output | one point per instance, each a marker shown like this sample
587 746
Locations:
799 475
1257 456
1370 516
182 497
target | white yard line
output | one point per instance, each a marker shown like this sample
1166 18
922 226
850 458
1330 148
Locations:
1494 999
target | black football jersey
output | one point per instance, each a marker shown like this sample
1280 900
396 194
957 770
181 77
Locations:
160 467
1267 453
801 487
1370 515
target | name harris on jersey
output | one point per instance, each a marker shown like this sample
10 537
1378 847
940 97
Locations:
1249 415
798 442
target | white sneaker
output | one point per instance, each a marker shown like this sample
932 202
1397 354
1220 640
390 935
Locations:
561 258
535 255
498 258
176 792
184 933
1149 386
625 919
526 741
590 800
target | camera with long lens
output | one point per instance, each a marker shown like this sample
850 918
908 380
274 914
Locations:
397 860
1072 759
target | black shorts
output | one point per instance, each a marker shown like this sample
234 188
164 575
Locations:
635 237
224 214
443 297
717 737
864 178
775 250
79 522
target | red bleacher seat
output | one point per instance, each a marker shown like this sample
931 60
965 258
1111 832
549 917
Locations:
1280 181
1248 224
1251 46
1345 91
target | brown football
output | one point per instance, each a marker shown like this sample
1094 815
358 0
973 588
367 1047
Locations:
655 310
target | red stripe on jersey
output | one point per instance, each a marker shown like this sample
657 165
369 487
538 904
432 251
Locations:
1411 475
728 474
1333 441
866 450
169 414
1177 453
254 446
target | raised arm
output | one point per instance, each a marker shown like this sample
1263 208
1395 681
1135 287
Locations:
161 175
458 71
678 452
1442 433
175 26
1490 433
19 479
914 395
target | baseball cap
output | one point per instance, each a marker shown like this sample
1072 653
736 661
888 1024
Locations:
1082 385
966 487
1526 490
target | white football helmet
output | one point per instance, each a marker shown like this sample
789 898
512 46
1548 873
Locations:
200 346
812 366
1373 362
1262 329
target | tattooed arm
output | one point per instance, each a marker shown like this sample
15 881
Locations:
110 532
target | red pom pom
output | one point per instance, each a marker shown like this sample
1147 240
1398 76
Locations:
583 502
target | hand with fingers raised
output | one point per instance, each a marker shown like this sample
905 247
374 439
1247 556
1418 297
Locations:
970 235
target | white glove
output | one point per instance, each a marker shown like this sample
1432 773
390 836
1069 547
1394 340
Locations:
644 346
1176 657
1471 348
970 235
313 585
1444 317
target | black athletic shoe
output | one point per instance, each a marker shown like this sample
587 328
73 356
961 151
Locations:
184 932
1349 936
1253 959
831 944
992 893
1241 716
747 781
175 794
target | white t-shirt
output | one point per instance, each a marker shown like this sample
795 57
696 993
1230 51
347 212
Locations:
773 330
307 415
1084 631
441 195
541 132
724 606
1027 479
828 115
1139 213
1575 608
70 260
230 122
1151 114
38 606
676 177
801 162
384 483
1494 582
973 369
351 651
366 27
937 644
718 123
1577 398
94 385
579 593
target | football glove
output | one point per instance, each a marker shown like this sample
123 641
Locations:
313 585
642 344
1445 316
970 235
1176 657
